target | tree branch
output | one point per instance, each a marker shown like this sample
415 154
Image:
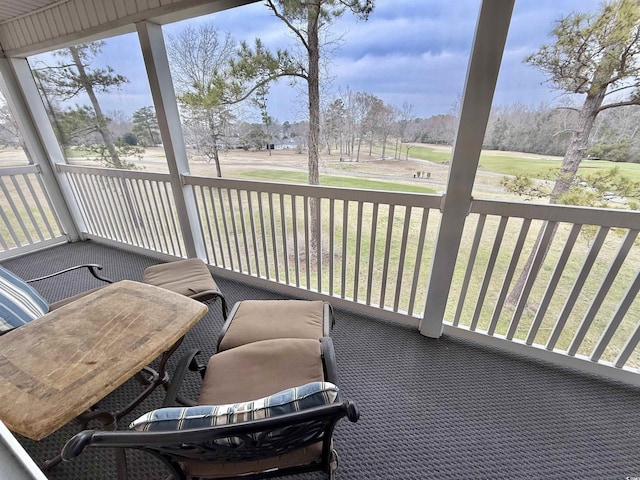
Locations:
635 85
619 104
262 83
296 31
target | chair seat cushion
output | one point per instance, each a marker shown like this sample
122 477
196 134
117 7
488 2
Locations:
256 320
19 302
260 369
186 277
291 400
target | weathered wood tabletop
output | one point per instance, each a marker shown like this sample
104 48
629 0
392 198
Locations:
57 366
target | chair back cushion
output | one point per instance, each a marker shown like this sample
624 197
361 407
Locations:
310 395
19 302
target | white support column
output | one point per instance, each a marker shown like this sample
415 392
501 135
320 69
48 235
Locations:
164 99
33 122
482 75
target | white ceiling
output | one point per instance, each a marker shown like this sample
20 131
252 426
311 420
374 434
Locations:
15 8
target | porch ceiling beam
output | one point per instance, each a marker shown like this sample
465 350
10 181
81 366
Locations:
482 74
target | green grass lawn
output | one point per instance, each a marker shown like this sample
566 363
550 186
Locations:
334 181
532 167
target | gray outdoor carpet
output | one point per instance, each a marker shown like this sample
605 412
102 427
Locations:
431 409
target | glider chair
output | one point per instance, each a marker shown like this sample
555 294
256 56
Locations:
254 320
20 303
190 278
265 409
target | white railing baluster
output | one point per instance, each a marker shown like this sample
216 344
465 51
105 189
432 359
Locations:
294 226
307 243
203 212
151 199
42 194
223 214
9 227
274 244
285 243
265 249
234 229
488 272
16 213
356 274
331 233
345 230
623 251
107 207
25 206
244 232
5 220
319 244
140 223
547 237
470 264
85 207
418 263
216 223
628 348
121 209
130 210
372 250
387 250
577 287
401 258
253 232
174 235
553 283
621 311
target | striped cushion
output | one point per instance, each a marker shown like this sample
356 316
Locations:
312 394
19 302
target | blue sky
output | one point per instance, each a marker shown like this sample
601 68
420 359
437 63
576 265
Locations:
408 51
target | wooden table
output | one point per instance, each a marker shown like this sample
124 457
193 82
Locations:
56 367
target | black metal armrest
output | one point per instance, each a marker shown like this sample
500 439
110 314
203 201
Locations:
187 362
329 363
92 267
313 424
227 324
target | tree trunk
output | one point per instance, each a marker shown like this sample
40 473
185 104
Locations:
102 121
214 138
570 163
313 82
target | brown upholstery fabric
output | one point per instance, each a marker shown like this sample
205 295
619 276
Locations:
259 369
186 277
304 456
63 302
257 320
253 371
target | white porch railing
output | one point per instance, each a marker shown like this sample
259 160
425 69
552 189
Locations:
131 207
375 249
581 295
372 248
27 218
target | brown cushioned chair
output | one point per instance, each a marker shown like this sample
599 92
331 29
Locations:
295 442
255 320
189 277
